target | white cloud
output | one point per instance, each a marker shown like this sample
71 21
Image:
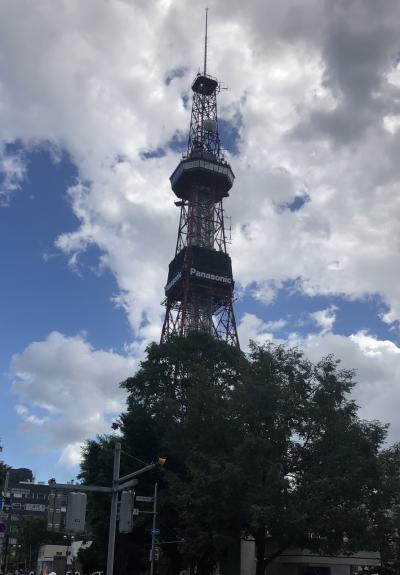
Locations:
324 318
314 95
68 391
276 325
21 410
70 455
12 173
253 328
371 346
310 110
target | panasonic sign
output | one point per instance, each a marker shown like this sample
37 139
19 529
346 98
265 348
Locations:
212 277
173 281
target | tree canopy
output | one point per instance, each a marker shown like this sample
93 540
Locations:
3 470
267 446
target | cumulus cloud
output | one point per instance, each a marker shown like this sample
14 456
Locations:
12 173
68 391
312 114
314 98
71 455
325 318
253 328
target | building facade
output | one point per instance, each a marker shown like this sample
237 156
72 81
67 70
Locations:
304 562
24 500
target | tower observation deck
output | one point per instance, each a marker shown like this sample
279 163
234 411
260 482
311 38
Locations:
199 288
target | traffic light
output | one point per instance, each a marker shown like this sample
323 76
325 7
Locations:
161 461
154 554
76 512
126 511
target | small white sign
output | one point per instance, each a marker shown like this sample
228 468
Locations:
34 507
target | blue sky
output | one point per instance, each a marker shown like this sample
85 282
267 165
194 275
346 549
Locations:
89 136
46 295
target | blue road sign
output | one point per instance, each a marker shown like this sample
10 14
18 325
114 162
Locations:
155 532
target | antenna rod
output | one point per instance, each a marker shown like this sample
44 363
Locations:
205 47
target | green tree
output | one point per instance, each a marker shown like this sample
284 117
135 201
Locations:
3 470
181 399
385 509
268 446
31 534
310 466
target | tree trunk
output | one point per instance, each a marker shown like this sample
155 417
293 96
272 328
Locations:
175 563
259 540
204 568
264 560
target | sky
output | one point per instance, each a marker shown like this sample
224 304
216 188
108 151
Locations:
94 115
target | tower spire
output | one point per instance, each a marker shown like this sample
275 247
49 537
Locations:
205 45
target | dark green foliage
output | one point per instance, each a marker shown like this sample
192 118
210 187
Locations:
268 446
31 534
3 471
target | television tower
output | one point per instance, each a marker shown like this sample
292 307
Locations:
199 289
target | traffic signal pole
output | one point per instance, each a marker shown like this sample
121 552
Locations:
118 484
113 512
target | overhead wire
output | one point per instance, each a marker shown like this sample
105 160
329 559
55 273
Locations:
133 457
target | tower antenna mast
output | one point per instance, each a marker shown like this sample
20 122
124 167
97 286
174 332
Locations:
205 45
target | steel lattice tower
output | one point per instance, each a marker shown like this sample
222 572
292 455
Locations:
199 289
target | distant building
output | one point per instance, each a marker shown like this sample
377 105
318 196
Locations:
303 562
56 511
24 499
61 559
52 558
